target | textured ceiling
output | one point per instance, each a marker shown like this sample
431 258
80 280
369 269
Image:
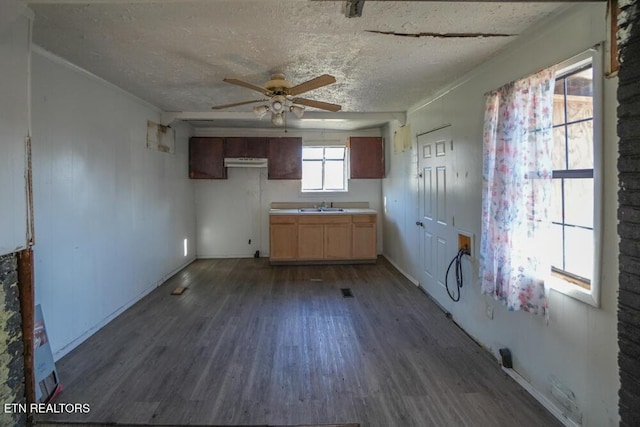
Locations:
174 54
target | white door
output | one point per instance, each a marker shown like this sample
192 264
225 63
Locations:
437 242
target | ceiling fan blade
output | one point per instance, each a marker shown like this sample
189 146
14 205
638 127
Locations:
319 81
317 104
248 85
220 107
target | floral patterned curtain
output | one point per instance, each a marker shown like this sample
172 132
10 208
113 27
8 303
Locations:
516 191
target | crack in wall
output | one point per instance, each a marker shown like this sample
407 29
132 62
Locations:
442 35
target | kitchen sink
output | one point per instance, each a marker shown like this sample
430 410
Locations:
321 210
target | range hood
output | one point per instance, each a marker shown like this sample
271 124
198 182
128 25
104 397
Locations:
244 162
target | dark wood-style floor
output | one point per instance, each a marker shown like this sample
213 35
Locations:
248 343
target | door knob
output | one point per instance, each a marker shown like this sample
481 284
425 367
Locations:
419 223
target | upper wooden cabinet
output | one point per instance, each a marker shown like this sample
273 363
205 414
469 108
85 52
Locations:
366 157
245 147
285 158
206 158
206 155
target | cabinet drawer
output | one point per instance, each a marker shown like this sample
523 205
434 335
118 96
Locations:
283 219
364 218
324 219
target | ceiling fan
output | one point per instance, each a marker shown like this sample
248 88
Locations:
282 96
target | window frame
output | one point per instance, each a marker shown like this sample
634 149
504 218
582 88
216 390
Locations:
345 161
555 281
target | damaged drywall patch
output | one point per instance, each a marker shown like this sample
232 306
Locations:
628 36
442 35
11 346
627 17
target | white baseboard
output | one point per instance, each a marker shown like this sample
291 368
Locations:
95 328
227 256
175 270
544 401
404 273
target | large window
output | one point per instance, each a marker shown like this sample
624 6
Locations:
549 120
576 213
324 168
572 212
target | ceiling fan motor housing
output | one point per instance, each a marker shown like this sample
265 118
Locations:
278 85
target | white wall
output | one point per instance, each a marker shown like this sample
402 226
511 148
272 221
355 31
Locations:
579 346
110 214
14 127
233 211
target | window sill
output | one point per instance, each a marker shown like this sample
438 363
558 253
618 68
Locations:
574 291
323 191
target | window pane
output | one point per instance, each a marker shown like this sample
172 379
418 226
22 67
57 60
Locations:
581 145
579 251
334 175
558 102
312 153
580 95
581 83
559 149
578 202
555 246
312 175
555 213
334 153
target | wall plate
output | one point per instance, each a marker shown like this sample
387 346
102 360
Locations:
465 240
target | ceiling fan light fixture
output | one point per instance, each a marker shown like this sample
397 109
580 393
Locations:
297 110
277 103
261 110
277 119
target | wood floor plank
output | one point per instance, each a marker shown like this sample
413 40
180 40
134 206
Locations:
254 344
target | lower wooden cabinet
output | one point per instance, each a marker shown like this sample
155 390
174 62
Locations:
364 237
337 241
310 241
322 237
283 237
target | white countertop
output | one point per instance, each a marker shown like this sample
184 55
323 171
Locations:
346 211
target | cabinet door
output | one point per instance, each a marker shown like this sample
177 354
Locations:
337 241
206 158
245 147
364 240
285 158
366 157
283 240
257 148
310 241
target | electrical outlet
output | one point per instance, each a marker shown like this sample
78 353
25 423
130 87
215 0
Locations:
489 311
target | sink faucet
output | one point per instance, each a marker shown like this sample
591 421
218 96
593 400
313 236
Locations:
323 204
